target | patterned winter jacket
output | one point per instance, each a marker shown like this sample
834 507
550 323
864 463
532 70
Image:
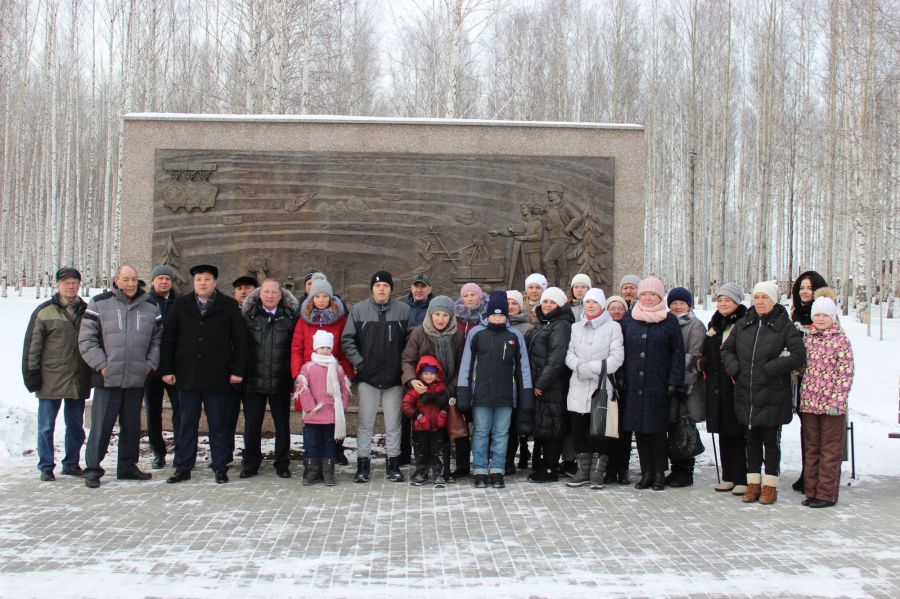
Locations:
828 373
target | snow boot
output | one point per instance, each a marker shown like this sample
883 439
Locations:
524 454
363 470
497 481
392 470
339 457
437 468
645 481
598 471
313 472
659 481
328 471
583 475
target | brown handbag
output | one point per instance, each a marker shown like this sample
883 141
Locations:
457 427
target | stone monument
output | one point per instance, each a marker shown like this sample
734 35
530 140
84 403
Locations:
482 201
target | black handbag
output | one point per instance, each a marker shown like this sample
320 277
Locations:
684 438
599 408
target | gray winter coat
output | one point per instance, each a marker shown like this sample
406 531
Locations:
373 340
694 333
121 336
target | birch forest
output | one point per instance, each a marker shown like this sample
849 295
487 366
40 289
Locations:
771 126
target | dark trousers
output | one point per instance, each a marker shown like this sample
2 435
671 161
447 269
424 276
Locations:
823 452
405 439
254 412
108 406
318 441
234 415
620 452
153 402
431 447
733 452
581 435
653 452
218 406
764 447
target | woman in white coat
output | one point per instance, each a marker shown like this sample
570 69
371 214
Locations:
596 338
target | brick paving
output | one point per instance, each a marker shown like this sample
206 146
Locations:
266 537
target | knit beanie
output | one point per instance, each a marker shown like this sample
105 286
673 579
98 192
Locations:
470 288
536 278
323 338
597 295
582 279
320 285
162 271
309 275
630 280
732 291
680 293
616 298
497 303
555 295
67 272
512 294
382 276
653 285
428 368
770 288
825 305
440 303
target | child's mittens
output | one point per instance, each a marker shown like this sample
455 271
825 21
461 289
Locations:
298 407
420 422
442 419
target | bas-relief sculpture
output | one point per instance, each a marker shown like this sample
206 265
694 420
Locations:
491 220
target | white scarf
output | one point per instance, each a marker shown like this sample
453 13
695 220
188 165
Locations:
333 388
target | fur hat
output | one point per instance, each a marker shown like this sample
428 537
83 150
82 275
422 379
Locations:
245 280
682 294
630 280
497 304
512 294
195 270
825 305
536 278
653 285
470 288
732 291
582 279
555 295
770 288
597 295
323 338
825 292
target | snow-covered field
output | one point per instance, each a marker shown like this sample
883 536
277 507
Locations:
873 399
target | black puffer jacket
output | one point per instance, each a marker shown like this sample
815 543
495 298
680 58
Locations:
269 343
547 347
760 354
720 415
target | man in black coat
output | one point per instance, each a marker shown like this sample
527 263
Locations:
162 294
204 353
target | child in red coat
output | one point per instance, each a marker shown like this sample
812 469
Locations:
428 413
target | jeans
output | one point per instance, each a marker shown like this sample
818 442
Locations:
318 441
218 406
153 403
73 412
491 428
110 405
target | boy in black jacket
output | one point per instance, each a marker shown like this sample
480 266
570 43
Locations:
494 378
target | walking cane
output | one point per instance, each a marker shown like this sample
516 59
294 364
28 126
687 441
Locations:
716 456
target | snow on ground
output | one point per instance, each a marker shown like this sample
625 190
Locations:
873 399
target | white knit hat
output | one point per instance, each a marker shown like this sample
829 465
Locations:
516 297
323 338
770 288
825 305
582 279
536 278
597 295
555 295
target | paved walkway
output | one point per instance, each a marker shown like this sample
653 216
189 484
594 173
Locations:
268 537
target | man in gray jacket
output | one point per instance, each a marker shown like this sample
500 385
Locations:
119 339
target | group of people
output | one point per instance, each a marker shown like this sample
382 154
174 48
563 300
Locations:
509 370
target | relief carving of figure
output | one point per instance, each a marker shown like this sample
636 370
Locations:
563 230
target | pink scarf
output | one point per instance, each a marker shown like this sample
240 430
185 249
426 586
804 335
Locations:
656 314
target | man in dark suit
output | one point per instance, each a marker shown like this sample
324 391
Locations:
204 353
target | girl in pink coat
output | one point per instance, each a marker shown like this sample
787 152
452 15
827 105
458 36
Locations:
322 393
823 404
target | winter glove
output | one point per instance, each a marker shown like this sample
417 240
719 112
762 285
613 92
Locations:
442 419
452 401
583 371
701 365
33 380
621 385
420 422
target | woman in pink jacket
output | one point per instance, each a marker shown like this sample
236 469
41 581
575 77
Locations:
322 392
823 404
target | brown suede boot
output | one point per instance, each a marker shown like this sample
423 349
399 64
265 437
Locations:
769 493
752 493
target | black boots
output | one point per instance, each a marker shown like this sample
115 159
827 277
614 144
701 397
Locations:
659 481
681 476
524 454
363 470
421 476
328 471
392 470
312 471
463 450
340 459
179 476
645 482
